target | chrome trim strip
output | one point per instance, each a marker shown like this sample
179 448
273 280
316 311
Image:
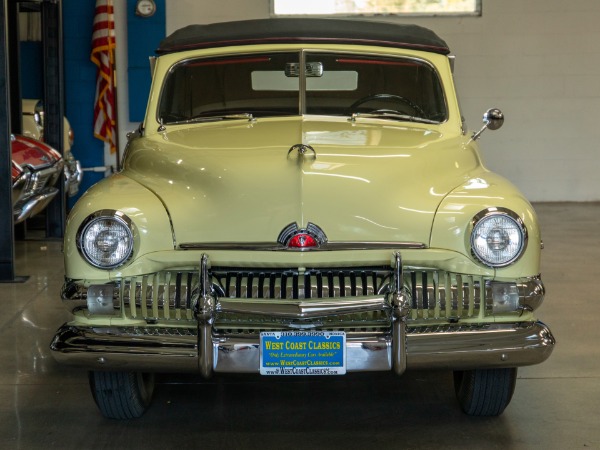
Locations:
276 247
176 350
302 308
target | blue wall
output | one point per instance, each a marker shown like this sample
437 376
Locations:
80 86
143 37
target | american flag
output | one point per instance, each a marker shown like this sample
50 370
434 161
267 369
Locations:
103 55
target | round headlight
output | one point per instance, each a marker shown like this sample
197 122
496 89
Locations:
498 237
106 239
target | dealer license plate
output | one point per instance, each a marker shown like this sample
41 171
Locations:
303 353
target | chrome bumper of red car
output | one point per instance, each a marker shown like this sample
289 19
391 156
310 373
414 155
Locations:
180 350
19 185
34 205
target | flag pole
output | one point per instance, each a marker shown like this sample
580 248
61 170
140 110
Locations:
104 56
116 103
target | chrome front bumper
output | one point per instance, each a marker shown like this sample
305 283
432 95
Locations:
181 350
206 348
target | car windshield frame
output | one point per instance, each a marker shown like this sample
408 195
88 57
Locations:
302 95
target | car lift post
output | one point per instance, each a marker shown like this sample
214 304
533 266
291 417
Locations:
7 245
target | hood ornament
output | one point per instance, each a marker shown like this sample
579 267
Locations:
295 238
302 149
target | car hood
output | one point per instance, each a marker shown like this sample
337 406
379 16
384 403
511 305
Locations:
245 181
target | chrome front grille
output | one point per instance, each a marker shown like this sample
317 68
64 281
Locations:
293 284
434 295
445 295
163 295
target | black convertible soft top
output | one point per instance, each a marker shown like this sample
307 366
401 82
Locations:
298 30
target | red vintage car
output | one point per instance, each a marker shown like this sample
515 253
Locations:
33 127
36 167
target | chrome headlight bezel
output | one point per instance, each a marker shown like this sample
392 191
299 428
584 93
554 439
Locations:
518 236
124 245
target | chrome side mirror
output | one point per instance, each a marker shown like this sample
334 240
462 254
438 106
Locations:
492 119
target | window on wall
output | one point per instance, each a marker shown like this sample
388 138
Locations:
370 7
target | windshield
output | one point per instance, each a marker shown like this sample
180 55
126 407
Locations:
338 84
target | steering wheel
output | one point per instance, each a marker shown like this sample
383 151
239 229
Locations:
388 97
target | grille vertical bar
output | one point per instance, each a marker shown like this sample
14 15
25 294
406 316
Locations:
313 283
160 296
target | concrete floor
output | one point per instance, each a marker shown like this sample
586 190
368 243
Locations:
556 404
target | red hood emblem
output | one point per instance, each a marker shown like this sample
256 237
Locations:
294 237
303 240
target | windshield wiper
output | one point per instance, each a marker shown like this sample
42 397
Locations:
216 118
391 116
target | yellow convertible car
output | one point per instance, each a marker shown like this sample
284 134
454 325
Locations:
303 199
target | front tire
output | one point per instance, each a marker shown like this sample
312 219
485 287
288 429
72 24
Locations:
485 392
122 395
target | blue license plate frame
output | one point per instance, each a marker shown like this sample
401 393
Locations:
303 353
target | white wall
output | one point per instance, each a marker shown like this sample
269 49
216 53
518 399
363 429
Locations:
537 60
